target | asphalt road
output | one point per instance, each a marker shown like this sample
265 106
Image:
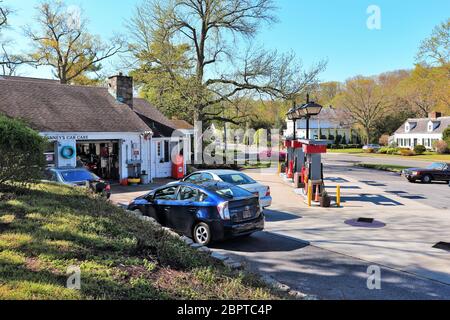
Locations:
436 195
323 273
314 252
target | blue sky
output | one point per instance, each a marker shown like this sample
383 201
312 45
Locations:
321 29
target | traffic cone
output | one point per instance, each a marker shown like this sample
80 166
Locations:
317 194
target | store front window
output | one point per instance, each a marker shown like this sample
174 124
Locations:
100 157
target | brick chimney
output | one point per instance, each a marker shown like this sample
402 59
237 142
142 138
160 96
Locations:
121 88
434 115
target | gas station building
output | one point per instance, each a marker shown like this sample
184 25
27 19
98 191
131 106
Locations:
105 129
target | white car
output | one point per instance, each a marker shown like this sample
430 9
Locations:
235 178
372 146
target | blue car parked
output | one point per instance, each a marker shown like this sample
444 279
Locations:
212 211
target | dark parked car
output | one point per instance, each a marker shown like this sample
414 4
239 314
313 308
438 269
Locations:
212 211
435 172
79 178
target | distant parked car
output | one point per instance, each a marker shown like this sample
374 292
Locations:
375 147
79 178
235 178
438 171
211 211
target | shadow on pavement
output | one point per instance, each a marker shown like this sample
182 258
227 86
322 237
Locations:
261 242
276 216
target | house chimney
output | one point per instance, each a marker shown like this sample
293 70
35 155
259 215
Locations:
121 88
434 115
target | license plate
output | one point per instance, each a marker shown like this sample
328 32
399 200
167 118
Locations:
247 214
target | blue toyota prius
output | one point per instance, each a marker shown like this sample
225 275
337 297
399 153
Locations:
213 211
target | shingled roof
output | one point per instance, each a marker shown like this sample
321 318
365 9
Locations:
182 124
421 126
49 106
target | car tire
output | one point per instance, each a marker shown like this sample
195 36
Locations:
202 234
427 179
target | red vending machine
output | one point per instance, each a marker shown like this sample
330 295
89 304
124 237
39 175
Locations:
178 168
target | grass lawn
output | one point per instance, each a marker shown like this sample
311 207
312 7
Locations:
427 156
51 228
382 167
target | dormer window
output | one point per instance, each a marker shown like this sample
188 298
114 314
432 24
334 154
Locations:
433 125
410 126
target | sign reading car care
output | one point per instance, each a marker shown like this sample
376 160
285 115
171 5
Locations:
68 137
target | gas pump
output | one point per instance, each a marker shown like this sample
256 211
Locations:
313 169
295 161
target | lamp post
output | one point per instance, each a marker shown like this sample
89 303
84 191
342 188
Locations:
308 110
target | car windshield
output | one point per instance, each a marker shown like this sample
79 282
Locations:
229 191
78 176
237 179
436 166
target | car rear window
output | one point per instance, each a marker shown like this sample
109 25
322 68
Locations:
78 176
237 179
229 191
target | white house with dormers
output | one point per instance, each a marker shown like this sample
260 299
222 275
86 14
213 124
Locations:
424 131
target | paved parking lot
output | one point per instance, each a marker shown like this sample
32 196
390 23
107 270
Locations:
313 250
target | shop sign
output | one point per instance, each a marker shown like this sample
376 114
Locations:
65 138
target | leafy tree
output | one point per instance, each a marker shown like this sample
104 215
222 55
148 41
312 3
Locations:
21 153
64 43
204 31
435 51
446 135
426 90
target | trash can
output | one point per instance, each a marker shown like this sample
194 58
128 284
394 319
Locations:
145 178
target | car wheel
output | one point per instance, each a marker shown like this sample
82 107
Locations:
426 179
202 234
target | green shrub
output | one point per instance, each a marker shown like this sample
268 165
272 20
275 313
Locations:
21 153
420 149
446 135
407 153
383 150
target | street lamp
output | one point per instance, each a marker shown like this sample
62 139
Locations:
308 110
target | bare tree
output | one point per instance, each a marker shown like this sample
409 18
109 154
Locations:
365 102
3 15
64 43
220 71
8 62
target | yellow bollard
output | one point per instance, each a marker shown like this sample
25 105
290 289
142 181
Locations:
310 194
279 168
338 195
